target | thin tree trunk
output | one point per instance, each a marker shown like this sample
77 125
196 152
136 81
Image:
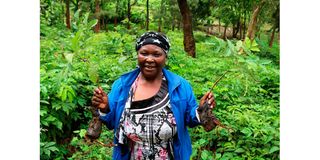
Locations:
188 39
129 15
147 19
240 29
103 19
159 25
62 16
225 32
97 12
253 21
106 24
115 23
233 29
244 27
162 12
116 17
172 14
102 23
172 24
272 37
219 26
68 14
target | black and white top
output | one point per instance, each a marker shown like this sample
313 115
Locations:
148 126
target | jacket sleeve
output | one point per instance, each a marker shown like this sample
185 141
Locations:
192 118
109 118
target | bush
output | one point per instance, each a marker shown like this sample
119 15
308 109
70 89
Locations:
74 62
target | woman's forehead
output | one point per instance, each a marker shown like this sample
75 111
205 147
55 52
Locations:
151 47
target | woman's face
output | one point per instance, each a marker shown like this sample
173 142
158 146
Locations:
151 59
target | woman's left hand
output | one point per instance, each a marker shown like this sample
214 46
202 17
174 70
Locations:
210 98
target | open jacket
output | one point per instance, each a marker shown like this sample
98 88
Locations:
183 105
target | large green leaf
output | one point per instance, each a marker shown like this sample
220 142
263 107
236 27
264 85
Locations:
273 149
92 23
93 73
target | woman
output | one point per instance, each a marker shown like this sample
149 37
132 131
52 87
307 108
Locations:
150 107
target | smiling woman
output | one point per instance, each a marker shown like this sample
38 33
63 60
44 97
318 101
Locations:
150 108
151 60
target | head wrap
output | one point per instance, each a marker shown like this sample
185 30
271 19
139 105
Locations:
154 38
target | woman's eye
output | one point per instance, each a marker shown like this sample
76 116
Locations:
157 55
143 54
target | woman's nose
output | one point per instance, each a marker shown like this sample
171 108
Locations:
149 59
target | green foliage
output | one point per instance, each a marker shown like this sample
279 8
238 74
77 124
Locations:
91 150
247 99
47 148
72 62
251 45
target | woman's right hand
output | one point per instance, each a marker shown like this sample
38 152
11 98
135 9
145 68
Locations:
100 100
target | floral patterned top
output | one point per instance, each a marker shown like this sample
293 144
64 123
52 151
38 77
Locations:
148 126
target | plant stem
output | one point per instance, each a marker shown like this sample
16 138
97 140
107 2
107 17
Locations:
216 82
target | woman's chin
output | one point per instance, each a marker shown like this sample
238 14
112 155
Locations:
149 73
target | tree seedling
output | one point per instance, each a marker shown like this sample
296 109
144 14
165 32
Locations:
207 118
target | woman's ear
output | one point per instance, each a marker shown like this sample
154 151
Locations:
166 61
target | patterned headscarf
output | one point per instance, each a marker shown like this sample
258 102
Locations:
155 38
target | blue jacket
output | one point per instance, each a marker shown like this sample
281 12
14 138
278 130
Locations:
183 104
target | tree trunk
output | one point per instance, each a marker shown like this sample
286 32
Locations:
102 26
272 37
162 12
219 26
172 25
129 15
225 32
115 23
97 12
172 14
116 17
188 39
253 21
233 30
240 29
68 14
244 27
147 19
105 20
159 25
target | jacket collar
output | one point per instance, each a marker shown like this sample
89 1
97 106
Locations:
173 80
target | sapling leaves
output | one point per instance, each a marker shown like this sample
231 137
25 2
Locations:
93 73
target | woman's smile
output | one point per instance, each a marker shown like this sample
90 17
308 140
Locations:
151 60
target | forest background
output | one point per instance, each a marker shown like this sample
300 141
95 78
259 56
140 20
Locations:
20 91
86 43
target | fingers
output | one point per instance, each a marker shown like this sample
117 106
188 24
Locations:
98 95
97 91
95 104
103 93
97 99
211 100
204 97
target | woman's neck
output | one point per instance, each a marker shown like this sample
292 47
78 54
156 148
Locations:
154 80
147 88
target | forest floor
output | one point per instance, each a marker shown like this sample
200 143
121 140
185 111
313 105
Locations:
218 31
